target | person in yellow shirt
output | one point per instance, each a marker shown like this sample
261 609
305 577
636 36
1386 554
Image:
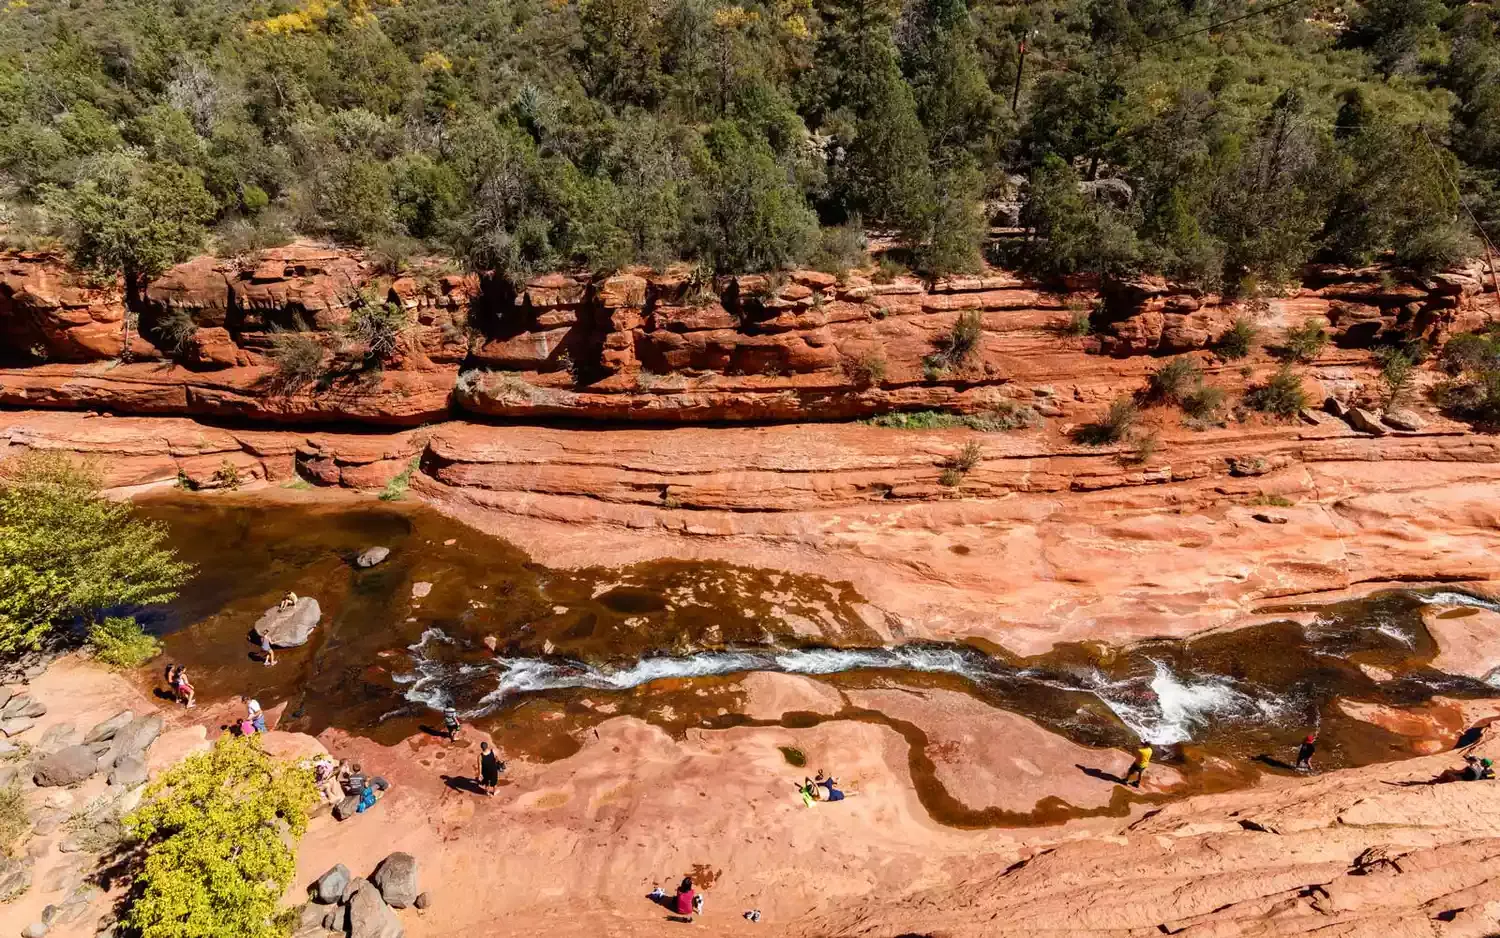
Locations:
1138 768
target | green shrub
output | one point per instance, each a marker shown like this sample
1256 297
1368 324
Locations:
1173 381
887 270
1004 414
172 330
120 641
1143 446
1397 371
968 457
218 834
1305 342
297 358
1203 402
14 820
396 488
841 248
954 348
1468 352
1239 340
951 478
1079 323
866 370
374 331
1281 395
1113 427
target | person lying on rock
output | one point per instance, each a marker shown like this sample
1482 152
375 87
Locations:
831 784
1477 770
809 792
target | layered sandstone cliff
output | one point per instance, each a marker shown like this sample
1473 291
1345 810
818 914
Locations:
659 347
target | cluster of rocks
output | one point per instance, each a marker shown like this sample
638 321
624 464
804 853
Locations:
18 712
363 907
1373 422
43 775
117 746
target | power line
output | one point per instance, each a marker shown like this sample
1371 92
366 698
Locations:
1489 246
1283 4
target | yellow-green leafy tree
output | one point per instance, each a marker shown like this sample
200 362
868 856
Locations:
219 834
67 553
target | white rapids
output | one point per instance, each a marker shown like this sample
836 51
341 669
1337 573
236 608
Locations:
1163 709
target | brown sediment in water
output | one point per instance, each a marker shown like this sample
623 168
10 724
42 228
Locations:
349 675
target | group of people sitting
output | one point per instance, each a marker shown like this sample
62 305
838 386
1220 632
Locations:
339 780
822 788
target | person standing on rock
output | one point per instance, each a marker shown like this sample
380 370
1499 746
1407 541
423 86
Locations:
450 723
268 654
490 767
1305 752
255 715
1138 767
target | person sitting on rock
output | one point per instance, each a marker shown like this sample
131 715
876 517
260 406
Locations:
355 782
185 691
289 600
686 896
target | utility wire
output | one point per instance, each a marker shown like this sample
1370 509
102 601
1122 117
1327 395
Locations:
1489 246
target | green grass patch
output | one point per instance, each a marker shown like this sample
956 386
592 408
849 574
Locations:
396 488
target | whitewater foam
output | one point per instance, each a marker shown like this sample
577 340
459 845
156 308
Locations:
1453 598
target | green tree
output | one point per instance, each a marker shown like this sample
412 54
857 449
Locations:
955 238
68 553
1071 233
940 58
756 219
220 831
132 217
622 57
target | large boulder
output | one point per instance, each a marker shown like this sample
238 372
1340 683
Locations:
133 739
396 878
292 626
329 888
108 728
370 917
22 705
129 771
67 766
346 809
372 556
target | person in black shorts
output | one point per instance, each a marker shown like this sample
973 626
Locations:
450 723
490 768
1305 752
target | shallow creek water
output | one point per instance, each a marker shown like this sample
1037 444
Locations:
667 641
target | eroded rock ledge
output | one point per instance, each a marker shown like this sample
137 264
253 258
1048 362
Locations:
638 346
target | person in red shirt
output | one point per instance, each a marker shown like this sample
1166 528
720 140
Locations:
685 896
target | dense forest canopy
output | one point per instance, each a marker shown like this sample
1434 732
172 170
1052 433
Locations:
1216 141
